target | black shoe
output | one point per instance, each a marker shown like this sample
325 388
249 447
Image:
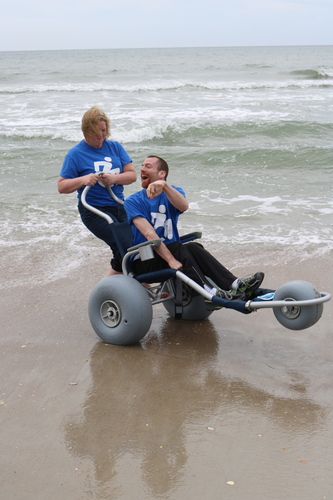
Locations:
245 287
231 294
249 284
224 294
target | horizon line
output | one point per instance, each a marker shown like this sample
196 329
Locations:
170 47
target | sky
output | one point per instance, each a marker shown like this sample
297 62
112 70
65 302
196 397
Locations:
99 24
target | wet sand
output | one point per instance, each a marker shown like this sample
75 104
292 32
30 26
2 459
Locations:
192 408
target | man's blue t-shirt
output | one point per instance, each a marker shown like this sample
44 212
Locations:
83 159
161 214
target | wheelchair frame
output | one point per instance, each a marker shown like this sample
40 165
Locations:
120 307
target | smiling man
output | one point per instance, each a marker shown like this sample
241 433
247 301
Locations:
158 206
153 213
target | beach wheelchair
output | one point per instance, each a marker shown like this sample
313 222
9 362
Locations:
120 306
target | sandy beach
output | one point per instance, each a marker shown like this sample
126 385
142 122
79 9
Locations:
234 407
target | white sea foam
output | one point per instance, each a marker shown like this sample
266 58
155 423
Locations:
172 85
247 135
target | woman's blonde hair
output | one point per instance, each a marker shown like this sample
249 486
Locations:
91 119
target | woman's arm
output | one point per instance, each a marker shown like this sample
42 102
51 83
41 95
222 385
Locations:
70 185
66 186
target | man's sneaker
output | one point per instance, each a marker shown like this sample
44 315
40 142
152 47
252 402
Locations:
230 294
249 284
224 294
245 287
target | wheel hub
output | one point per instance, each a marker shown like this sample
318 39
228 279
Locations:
110 313
290 312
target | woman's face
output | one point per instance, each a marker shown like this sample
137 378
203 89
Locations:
95 140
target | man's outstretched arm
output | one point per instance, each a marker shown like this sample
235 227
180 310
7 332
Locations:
175 197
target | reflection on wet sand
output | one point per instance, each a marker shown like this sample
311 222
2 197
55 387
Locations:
145 401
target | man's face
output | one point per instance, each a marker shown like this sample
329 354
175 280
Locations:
149 172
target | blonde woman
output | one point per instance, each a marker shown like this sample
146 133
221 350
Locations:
98 162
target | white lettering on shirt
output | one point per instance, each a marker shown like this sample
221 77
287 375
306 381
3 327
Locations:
105 167
158 219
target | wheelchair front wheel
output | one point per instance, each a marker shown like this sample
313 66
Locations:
120 310
297 317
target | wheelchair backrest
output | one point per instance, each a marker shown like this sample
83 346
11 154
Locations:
122 234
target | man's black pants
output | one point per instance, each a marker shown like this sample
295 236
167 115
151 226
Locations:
197 264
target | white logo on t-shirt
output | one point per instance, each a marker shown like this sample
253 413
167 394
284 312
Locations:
105 167
158 219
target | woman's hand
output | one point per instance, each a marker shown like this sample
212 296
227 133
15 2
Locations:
90 179
107 179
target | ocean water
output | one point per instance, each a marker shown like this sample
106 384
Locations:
247 133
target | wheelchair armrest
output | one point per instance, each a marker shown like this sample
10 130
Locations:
144 250
190 236
153 243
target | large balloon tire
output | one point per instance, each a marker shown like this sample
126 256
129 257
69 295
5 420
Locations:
194 306
297 317
120 310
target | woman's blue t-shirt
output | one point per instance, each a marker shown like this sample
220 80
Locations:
83 159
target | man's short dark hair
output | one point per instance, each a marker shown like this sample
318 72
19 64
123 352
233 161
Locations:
162 164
